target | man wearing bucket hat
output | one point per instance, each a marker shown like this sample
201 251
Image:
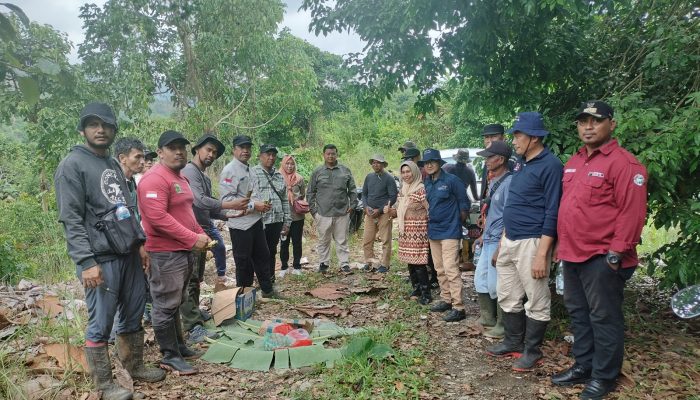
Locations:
378 190
601 217
448 209
525 251
90 183
204 152
174 236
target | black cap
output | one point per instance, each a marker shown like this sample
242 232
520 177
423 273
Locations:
407 145
493 129
241 140
596 108
497 148
168 137
208 137
99 110
149 154
410 153
268 148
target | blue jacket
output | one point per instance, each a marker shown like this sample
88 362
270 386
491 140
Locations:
446 198
533 197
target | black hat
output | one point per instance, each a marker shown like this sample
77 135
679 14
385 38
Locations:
168 137
268 148
407 145
596 108
99 110
432 155
493 129
149 154
410 153
208 137
497 148
241 140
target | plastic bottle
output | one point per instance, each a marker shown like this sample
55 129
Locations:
283 237
560 278
122 212
477 254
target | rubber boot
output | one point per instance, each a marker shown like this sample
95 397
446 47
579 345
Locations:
414 281
172 360
497 332
130 350
534 336
487 309
424 284
101 372
186 352
512 344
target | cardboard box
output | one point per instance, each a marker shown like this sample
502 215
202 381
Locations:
236 303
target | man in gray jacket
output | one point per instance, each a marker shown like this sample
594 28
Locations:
331 195
90 186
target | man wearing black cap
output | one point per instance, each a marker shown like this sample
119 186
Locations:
90 186
249 246
496 158
207 149
407 145
273 190
601 217
165 201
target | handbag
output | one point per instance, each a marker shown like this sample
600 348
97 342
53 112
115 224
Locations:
473 231
122 235
300 206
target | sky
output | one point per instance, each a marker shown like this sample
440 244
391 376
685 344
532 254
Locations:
63 15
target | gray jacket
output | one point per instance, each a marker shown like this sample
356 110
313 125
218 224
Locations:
205 206
331 191
88 185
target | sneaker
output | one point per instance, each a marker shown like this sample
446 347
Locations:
199 334
272 294
454 315
296 271
441 307
345 268
366 267
283 273
322 267
382 269
206 316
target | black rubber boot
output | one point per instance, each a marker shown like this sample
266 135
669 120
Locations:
172 360
534 336
424 284
186 352
130 350
101 372
414 281
432 273
512 344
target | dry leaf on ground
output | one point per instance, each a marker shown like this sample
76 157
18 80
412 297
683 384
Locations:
330 310
329 291
68 356
51 305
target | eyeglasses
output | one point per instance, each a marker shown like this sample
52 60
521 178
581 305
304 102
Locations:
591 119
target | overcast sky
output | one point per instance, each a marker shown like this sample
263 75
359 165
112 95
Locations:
63 15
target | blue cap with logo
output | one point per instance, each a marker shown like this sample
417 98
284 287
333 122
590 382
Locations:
530 123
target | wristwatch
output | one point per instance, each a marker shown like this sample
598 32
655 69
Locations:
612 258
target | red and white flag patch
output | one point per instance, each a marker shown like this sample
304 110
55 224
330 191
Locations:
151 195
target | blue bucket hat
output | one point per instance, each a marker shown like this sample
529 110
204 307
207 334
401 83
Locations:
432 155
530 123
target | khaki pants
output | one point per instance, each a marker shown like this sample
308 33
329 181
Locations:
515 279
335 228
446 260
381 225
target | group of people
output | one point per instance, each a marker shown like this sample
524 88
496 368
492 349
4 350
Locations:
132 234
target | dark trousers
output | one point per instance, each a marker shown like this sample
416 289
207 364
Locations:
189 309
219 250
272 237
251 256
593 295
296 231
123 293
170 272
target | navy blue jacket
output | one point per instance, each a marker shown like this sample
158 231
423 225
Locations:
446 198
533 197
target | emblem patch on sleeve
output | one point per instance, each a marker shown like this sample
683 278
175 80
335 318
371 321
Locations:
638 179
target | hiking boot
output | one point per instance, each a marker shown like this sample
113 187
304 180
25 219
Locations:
441 307
512 344
101 372
130 350
454 315
345 268
322 268
382 269
487 310
199 334
534 336
497 332
172 359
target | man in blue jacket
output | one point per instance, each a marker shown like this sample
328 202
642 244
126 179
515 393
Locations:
525 251
448 209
